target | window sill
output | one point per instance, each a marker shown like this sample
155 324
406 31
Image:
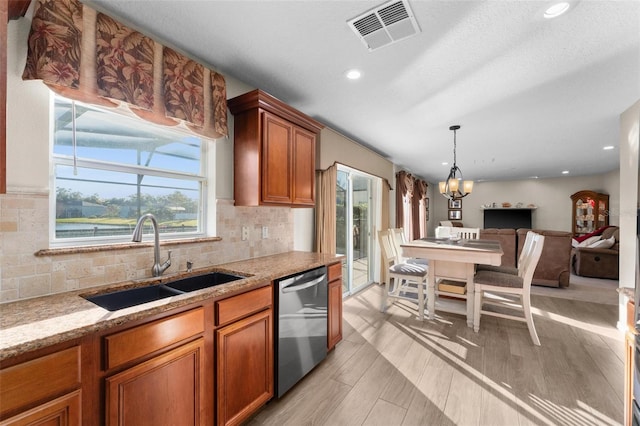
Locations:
119 246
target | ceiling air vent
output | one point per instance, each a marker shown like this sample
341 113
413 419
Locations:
385 24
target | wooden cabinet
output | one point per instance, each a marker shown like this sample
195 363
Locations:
164 389
274 152
45 390
629 363
590 211
334 332
244 355
63 411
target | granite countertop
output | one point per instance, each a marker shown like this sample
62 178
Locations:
35 323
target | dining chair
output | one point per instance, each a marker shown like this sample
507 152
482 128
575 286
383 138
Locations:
526 247
510 293
408 278
397 239
466 233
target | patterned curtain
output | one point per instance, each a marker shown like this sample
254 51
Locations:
326 182
384 224
54 43
88 56
419 209
401 191
124 60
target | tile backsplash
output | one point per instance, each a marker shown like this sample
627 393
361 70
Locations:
24 230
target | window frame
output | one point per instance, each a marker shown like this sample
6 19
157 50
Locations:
206 213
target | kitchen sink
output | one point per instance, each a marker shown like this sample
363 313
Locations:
199 282
134 296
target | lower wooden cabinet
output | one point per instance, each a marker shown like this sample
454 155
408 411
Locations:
244 367
629 363
42 391
63 411
165 390
334 320
212 362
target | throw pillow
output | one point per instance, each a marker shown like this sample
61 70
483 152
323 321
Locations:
598 231
589 241
605 244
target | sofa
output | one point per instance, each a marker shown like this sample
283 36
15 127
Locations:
598 262
553 268
507 239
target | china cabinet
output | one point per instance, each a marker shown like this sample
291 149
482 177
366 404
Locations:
590 211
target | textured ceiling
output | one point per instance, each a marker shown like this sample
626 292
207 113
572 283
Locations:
534 97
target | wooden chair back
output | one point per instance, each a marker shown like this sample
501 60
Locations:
397 238
528 264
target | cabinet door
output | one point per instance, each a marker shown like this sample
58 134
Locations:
165 390
334 334
304 167
276 159
244 367
63 411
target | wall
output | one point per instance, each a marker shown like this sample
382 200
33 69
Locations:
630 175
551 196
336 147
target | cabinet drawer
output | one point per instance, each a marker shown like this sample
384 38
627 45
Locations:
130 344
65 410
39 379
335 271
236 307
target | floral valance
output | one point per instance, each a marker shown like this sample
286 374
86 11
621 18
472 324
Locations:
90 57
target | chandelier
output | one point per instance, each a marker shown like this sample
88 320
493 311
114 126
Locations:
450 188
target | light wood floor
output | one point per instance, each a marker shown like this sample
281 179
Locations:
390 369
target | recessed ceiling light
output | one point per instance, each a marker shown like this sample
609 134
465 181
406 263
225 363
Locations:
565 172
556 10
444 163
353 74
608 147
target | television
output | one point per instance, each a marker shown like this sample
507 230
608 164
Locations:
507 218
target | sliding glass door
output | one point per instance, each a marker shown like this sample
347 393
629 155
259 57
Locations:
354 218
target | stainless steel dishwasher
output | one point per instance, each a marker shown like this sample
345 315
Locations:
301 326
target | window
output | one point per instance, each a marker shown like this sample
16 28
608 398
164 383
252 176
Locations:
110 168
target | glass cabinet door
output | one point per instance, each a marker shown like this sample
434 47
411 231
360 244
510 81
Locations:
602 214
584 216
590 212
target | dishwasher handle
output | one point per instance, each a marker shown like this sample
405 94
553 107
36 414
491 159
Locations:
298 287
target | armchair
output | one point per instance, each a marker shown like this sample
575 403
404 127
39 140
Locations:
598 262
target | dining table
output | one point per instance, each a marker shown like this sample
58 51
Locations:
452 259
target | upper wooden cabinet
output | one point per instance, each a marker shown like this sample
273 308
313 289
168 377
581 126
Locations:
274 152
590 211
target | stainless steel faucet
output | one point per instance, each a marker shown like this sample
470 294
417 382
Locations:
157 268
